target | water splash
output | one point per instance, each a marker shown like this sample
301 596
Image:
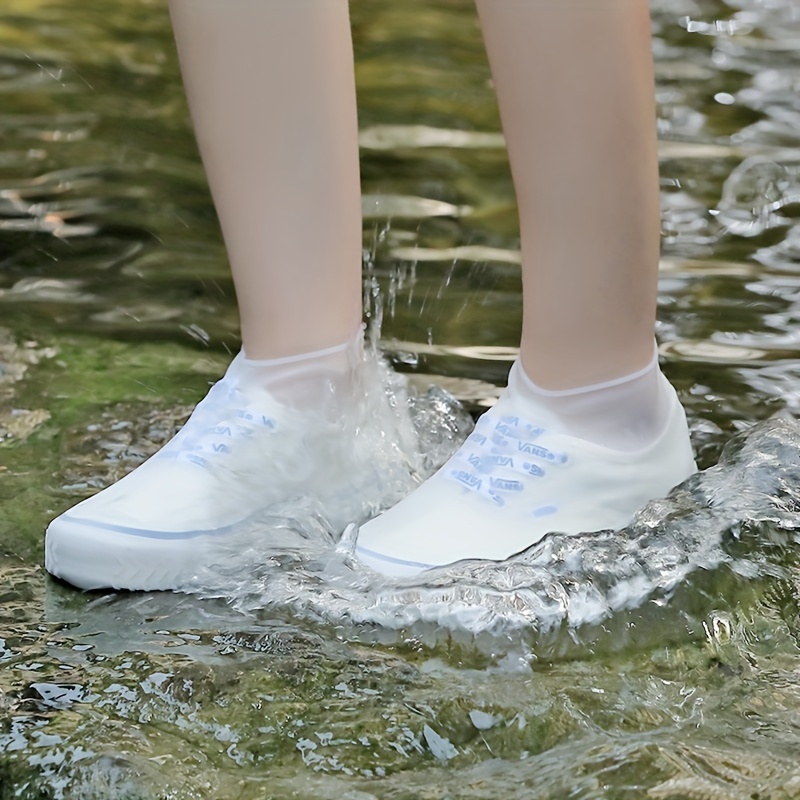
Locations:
757 192
712 537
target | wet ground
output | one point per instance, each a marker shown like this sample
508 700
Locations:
660 662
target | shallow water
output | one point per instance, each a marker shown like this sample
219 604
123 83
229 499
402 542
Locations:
661 661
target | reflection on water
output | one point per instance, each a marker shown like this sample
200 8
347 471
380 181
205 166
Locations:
660 661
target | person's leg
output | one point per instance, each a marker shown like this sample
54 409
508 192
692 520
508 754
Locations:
272 94
588 429
574 81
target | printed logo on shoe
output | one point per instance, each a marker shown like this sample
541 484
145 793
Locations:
488 464
542 452
475 461
467 479
504 485
506 430
534 470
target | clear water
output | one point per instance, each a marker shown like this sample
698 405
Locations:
661 661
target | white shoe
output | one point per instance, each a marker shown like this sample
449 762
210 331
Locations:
240 452
514 480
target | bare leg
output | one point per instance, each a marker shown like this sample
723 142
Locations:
574 81
272 95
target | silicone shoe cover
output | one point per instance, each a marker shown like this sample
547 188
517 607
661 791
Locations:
239 452
513 481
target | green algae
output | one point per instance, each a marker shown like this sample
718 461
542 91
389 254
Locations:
100 396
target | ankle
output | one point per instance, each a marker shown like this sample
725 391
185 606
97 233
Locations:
628 413
307 381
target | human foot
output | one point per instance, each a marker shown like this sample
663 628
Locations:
266 432
537 463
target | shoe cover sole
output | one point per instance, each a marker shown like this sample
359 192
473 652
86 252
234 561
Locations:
100 558
391 567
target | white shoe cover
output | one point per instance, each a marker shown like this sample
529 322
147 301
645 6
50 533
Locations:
514 480
239 452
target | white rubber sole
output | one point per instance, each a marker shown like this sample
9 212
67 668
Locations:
391 567
100 558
